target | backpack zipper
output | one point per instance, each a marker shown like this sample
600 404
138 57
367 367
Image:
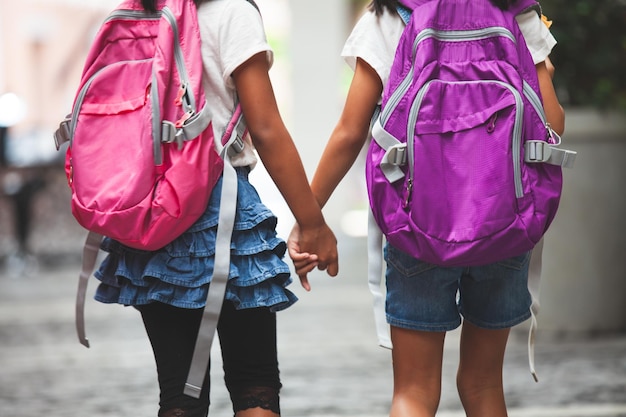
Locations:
455 36
124 14
535 101
166 13
189 103
517 130
442 35
115 15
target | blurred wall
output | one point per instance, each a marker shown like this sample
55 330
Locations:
43 45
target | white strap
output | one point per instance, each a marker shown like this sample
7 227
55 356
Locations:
375 277
221 271
90 256
534 281
395 153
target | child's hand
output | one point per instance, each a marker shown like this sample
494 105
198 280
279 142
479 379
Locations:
322 252
303 262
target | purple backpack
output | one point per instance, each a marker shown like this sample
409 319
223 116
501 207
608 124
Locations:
464 168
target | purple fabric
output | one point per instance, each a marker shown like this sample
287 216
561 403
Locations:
462 208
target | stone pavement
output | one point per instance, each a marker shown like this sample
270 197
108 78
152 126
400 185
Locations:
330 362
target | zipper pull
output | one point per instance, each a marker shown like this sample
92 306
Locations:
407 197
553 137
492 123
181 93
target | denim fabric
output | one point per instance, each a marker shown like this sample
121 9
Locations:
180 273
422 296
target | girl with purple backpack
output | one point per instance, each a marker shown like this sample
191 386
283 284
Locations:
421 300
169 286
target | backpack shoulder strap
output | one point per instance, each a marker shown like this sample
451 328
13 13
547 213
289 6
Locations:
405 13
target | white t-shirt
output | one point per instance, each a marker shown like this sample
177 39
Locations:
232 32
374 39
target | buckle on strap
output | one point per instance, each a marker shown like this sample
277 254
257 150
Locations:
235 132
396 155
241 129
170 133
394 158
538 151
62 134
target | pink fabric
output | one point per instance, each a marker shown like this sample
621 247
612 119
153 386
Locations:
117 189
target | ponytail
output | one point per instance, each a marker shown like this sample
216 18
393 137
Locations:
502 4
378 6
149 5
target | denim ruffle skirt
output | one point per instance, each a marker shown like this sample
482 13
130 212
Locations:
179 274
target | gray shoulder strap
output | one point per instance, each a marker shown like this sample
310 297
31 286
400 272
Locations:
221 269
90 256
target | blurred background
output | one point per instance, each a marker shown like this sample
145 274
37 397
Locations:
42 47
43 44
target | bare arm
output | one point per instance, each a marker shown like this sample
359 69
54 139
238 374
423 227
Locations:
282 161
554 110
344 145
350 133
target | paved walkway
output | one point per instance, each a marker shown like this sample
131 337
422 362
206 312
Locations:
331 365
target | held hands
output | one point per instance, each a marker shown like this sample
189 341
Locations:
310 248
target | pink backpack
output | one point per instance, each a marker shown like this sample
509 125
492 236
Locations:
464 168
141 161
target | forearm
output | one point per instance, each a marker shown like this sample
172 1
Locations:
552 107
338 157
286 170
351 132
273 142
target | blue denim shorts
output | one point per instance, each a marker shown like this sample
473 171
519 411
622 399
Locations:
426 297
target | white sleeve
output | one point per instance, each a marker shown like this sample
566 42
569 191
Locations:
241 36
537 35
374 39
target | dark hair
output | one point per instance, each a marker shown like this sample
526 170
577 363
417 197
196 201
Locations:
150 5
378 6
503 4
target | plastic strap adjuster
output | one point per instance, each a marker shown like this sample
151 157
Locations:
168 131
62 134
396 155
537 151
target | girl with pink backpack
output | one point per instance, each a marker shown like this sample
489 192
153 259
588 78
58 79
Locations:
169 286
425 300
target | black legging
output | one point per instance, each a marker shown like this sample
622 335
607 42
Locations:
248 344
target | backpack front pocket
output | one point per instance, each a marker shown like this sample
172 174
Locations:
108 109
464 143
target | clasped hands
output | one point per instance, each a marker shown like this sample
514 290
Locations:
312 248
